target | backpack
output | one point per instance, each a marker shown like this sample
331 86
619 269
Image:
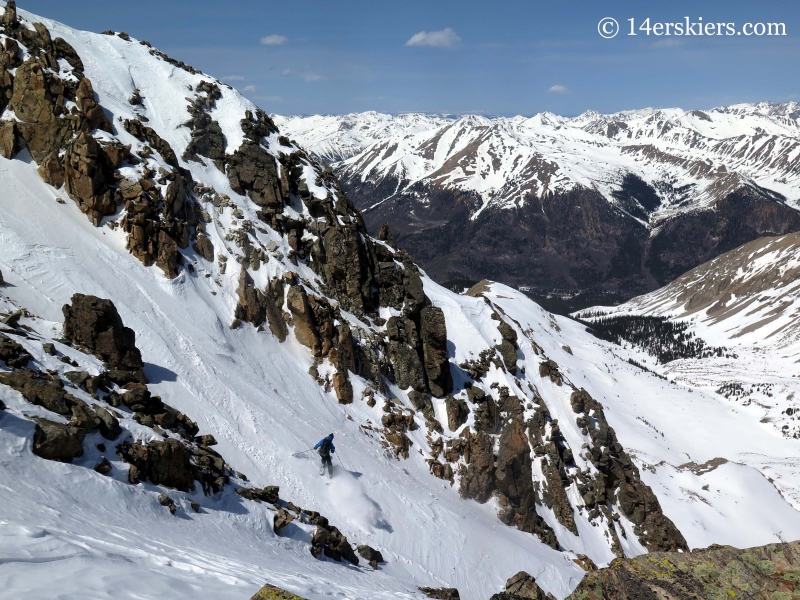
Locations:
326 446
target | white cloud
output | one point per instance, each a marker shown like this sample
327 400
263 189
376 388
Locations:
446 38
305 75
558 89
665 44
249 88
233 78
274 40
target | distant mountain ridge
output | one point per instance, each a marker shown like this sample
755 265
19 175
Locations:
597 205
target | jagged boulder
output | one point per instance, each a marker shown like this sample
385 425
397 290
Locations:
281 519
94 323
109 424
522 586
204 247
714 572
57 441
11 352
164 463
84 178
477 478
267 494
9 139
207 139
85 99
252 303
33 105
83 417
372 556
403 354
433 334
270 592
457 412
252 170
330 541
10 15
441 593
305 329
549 369
38 389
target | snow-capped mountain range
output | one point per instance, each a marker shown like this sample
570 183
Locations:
691 157
469 196
159 444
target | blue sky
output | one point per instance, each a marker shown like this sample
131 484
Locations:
447 56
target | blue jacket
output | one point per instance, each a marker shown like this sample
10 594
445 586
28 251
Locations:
329 439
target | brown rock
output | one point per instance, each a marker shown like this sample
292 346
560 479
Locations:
56 441
9 139
441 593
162 462
457 412
281 520
304 326
433 334
94 323
204 247
38 390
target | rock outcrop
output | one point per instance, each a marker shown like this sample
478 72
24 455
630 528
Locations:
716 572
165 463
522 586
271 592
94 323
57 441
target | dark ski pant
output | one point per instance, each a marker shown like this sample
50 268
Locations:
327 462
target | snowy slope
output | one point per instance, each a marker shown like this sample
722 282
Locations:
689 157
745 301
68 528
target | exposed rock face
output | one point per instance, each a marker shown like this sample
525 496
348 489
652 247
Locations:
12 353
716 572
522 586
372 556
267 494
253 171
457 412
441 593
477 480
433 334
406 362
329 540
56 441
162 462
94 323
109 424
207 137
305 329
618 476
38 389
85 180
270 592
204 247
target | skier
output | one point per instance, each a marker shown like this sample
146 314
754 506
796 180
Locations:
325 448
